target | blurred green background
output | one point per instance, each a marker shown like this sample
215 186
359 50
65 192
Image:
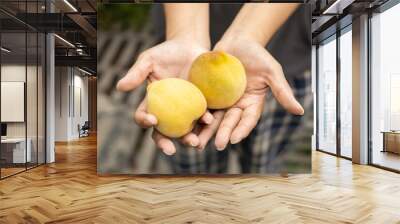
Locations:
123 16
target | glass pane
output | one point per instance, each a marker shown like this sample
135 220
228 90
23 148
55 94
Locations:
32 88
327 97
346 94
31 97
386 89
13 86
41 98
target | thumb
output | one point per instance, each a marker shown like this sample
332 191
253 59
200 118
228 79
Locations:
136 74
282 91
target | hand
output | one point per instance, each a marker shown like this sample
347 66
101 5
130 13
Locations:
171 58
263 72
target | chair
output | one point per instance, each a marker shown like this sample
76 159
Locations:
84 130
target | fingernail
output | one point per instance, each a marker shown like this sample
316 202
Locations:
220 148
193 144
125 78
151 119
300 110
119 84
208 119
235 140
169 152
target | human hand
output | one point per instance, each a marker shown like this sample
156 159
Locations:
263 72
171 58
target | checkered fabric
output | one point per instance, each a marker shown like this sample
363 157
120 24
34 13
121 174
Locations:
281 142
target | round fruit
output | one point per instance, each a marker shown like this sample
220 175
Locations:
221 78
177 104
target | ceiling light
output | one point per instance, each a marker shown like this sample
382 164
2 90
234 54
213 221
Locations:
70 5
337 7
5 50
84 71
79 51
65 41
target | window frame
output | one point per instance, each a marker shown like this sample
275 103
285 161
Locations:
29 29
378 10
333 37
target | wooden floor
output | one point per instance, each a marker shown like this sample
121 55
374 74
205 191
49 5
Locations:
5 172
69 191
8 171
387 159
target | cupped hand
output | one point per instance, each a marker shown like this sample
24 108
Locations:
263 72
171 58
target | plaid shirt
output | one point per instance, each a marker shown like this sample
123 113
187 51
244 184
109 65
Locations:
280 142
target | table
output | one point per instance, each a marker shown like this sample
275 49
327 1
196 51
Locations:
391 141
16 147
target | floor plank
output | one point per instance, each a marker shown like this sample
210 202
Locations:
69 191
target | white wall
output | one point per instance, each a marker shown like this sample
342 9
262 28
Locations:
70 83
12 100
61 103
80 89
12 73
33 126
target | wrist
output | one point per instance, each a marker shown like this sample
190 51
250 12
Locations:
233 35
199 38
239 44
229 42
188 22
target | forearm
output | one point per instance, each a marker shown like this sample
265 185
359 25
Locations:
260 21
188 21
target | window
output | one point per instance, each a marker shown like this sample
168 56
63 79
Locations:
346 92
385 89
327 96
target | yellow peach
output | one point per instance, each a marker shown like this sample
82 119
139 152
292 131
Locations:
221 78
177 104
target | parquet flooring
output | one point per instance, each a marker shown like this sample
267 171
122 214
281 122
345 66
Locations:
10 171
69 191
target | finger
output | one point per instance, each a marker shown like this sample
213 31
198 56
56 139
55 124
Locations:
164 143
190 139
229 122
209 130
207 118
142 118
248 121
282 91
136 74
